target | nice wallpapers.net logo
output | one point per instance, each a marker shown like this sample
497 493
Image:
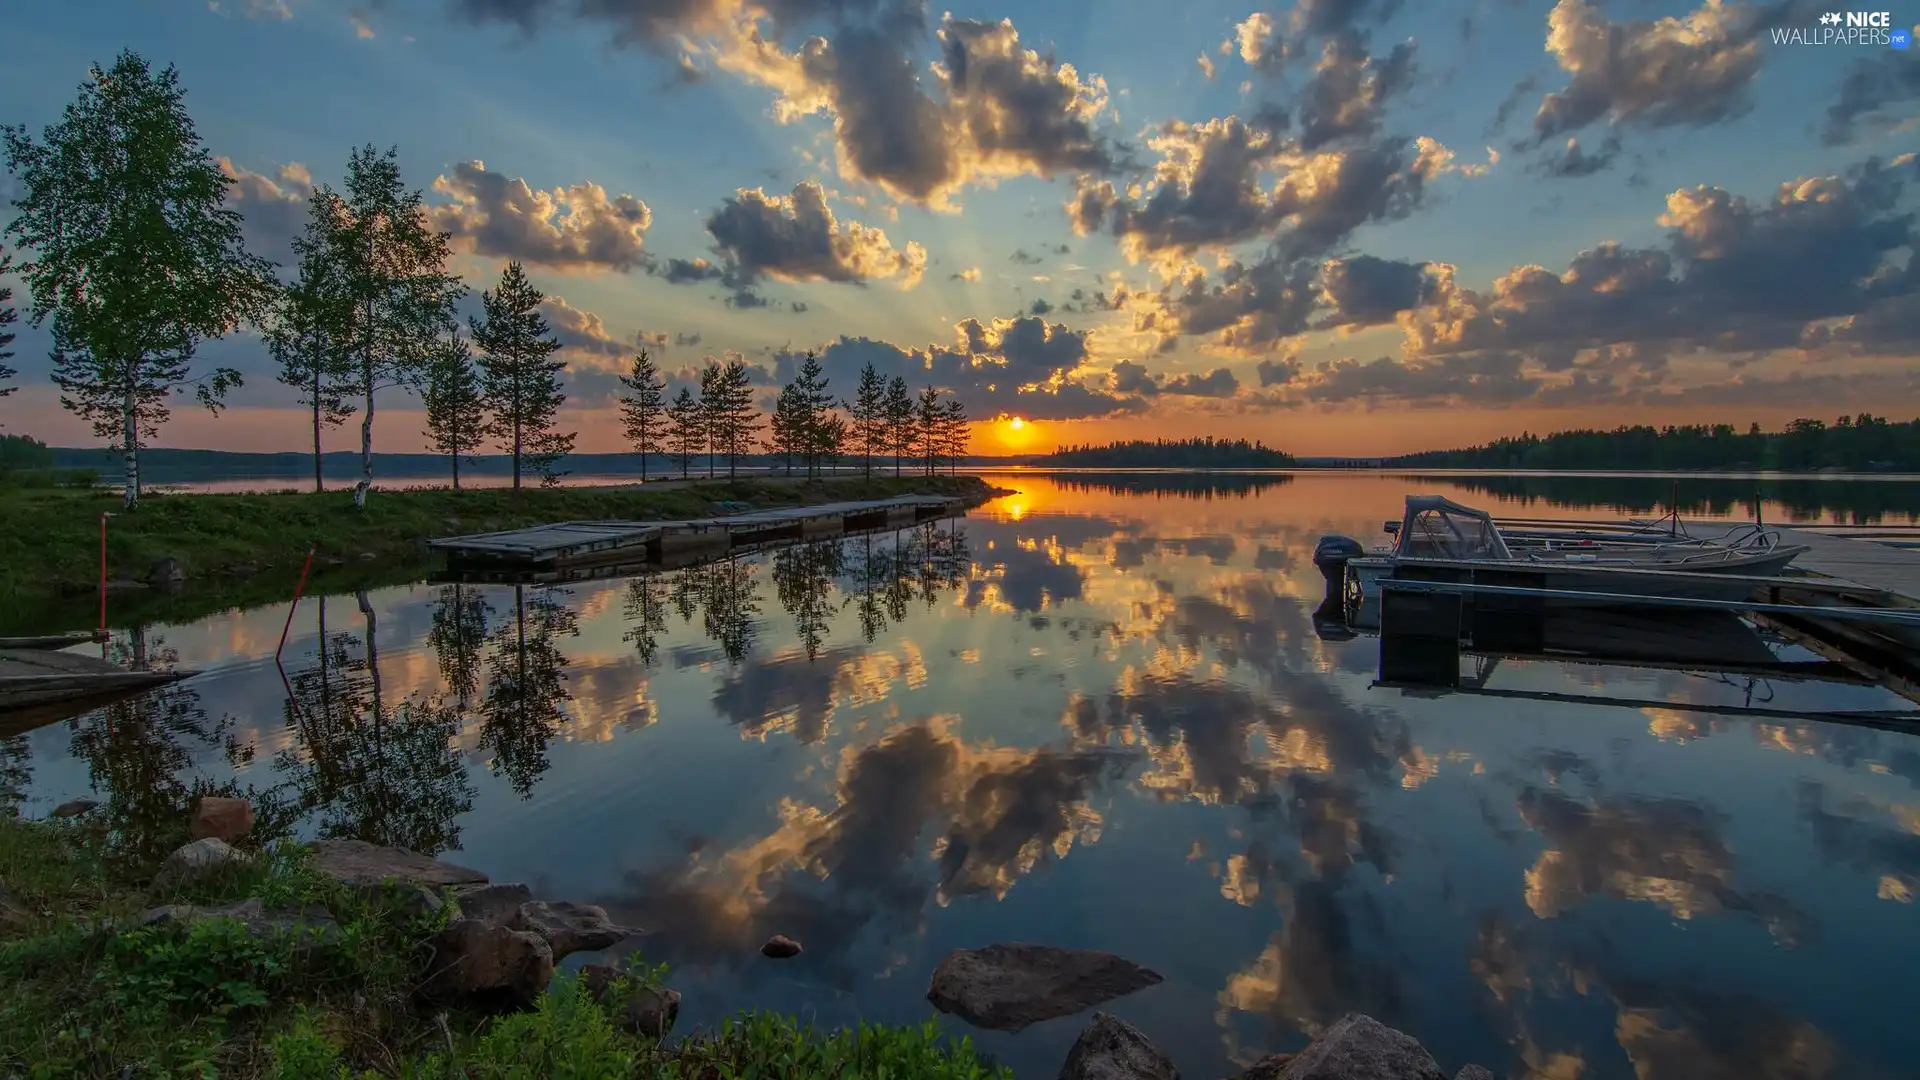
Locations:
1873 28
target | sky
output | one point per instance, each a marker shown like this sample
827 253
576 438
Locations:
1349 227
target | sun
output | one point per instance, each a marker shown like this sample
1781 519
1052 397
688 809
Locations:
1016 423
1015 433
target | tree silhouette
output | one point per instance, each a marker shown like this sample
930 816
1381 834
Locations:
803 579
526 685
731 593
646 611
458 631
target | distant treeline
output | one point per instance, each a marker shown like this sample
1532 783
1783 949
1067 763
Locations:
1863 443
1201 453
1860 502
1179 485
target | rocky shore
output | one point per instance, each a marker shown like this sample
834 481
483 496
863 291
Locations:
494 945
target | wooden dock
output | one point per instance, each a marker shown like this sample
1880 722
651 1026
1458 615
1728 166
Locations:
1858 573
574 545
34 678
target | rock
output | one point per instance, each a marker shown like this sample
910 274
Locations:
1474 1072
221 818
416 900
196 860
167 574
780 947
1112 1049
494 903
646 1010
1271 1067
368 556
73 808
360 864
1358 1047
568 928
481 960
1009 986
252 914
13 914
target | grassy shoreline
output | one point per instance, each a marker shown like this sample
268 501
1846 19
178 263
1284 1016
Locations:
236 548
87 991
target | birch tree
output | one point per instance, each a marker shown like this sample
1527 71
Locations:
311 325
643 408
686 430
395 271
456 407
137 259
520 377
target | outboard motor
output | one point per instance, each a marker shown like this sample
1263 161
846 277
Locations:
1331 555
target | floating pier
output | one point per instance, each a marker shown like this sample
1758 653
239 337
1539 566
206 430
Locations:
35 678
572 546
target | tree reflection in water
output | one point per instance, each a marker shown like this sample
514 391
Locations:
367 769
459 630
803 578
141 752
526 685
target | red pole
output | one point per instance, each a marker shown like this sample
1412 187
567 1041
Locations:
297 590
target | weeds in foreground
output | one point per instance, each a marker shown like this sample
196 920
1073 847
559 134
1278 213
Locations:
86 992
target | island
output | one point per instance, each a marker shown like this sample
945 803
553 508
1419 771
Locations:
1199 453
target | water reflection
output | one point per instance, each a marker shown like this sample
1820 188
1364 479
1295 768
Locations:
1859 502
1094 718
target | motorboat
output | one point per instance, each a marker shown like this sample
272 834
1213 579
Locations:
1439 539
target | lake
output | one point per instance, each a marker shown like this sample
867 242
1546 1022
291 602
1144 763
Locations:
1096 714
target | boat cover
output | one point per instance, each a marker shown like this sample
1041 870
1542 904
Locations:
1436 527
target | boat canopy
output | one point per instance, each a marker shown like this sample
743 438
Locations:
1436 527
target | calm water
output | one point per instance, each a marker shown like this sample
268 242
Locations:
1091 716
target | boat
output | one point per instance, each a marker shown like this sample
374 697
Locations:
32 678
1439 539
50 641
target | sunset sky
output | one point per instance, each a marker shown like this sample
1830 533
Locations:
1350 227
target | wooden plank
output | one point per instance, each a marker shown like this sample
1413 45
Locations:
48 641
1894 572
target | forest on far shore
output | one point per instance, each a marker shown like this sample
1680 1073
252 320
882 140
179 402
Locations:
1863 443
1201 453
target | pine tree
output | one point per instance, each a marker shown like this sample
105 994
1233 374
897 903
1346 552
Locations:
819 437
395 269
456 405
7 318
829 440
136 254
710 407
869 420
312 324
896 412
686 430
928 423
955 421
521 379
785 427
736 422
643 408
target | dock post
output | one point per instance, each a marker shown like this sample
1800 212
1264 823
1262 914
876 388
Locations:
1420 638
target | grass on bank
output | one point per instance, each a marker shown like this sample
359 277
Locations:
78 999
222 539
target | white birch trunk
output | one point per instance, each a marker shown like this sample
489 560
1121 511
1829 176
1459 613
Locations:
130 448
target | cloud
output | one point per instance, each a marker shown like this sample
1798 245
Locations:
990 109
273 209
796 238
361 28
971 273
253 9
576 229
1021 366
1349 91
1689 70
1269 44
1575 162
1129 377
1871 87
580 331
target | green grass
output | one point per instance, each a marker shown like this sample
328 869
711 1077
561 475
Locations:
243 549
80 999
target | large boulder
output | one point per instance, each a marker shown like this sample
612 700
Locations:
780 947
228 820
259 921
359 864
1006 987
74 808
1271 1067
489 964
1112 1049
201 858
568 927
643 1010
1358 1047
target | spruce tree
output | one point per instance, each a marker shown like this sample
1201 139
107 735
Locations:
456 406
869 420
137 256
896 414
955 421
643 408
736 421
520 377
395 269
928 424
710 410
312 325
786 426
819 434
686 430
